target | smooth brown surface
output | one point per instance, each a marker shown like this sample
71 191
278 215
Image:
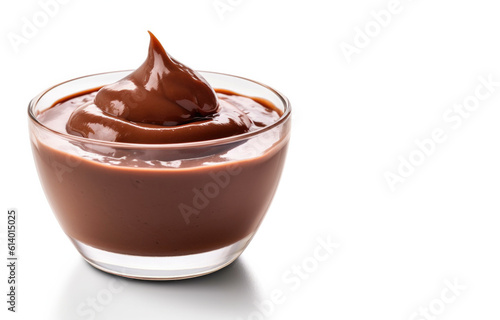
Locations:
100 126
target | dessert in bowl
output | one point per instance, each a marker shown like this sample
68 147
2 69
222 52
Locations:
153 173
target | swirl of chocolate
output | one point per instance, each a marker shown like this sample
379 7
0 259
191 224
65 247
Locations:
162 101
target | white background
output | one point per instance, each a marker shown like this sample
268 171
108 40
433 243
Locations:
399 249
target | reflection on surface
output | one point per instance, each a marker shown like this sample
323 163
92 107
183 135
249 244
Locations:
92 294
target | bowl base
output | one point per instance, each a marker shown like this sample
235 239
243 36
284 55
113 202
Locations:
164 267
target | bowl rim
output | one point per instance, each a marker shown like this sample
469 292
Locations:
204 143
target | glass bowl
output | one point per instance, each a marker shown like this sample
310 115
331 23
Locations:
160 211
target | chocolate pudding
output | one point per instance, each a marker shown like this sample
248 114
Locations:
159 163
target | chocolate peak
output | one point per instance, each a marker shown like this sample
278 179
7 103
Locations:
161 91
